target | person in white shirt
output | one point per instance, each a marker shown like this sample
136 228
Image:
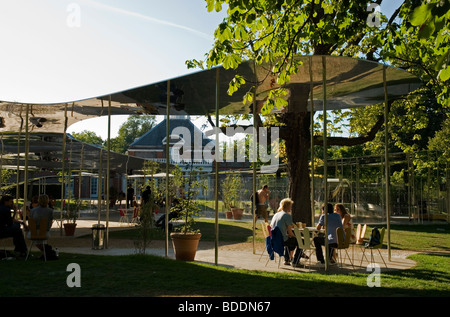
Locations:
283 220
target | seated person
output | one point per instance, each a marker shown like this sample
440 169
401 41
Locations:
173 214
334 222
38 213
283 220
10 227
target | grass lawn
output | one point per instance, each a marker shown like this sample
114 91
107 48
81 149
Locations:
146 275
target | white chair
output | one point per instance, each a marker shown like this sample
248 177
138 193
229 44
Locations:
305 243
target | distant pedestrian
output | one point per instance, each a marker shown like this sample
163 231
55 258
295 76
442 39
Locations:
130 195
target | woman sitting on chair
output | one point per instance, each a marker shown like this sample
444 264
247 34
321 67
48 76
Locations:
346 220
40 212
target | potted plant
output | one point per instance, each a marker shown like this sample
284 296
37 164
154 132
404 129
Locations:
231 191
70 216
185 239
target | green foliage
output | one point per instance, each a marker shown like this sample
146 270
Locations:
187 208
274 32
145 225
134 127
88 137
231 188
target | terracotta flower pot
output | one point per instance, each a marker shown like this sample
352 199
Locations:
69 228
237 213
229 214
185 245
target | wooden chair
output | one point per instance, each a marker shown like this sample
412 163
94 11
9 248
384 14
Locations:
37 236
266 234
343 244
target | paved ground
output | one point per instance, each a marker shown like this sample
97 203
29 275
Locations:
238 255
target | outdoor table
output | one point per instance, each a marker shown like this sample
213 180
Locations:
315 232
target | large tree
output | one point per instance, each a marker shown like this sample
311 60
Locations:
135 127
269 31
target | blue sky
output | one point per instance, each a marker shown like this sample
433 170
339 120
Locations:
63 50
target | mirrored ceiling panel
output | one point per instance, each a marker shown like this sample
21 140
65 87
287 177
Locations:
45 153
349 83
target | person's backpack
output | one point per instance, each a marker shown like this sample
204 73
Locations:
50 254
375 238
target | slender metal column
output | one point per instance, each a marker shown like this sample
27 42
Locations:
63 161
447 182
386 164
255 160
325 157
166 224
216 162
108 158
99 187
69 179
18 159
27 147
80 179
312 139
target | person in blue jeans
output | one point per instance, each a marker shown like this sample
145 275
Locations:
334 222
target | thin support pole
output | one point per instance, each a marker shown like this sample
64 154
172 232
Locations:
63 162
18 159
386 163
312 139
166 224
27 147
255 160
325 157
100 187
69 179
108 174
80 179
447 183
216 162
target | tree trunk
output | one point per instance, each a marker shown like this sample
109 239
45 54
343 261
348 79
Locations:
297 142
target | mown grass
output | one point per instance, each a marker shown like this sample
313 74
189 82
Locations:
146 275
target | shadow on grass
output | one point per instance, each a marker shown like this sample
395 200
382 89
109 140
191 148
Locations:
146 275
230 232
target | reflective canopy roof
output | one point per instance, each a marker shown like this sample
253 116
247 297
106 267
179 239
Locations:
350 83
45 153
